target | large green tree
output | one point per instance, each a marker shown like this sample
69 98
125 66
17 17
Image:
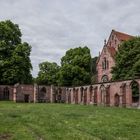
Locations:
127 60
48 73
15 64
75 67
93 70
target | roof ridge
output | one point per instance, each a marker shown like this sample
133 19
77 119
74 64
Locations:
122 33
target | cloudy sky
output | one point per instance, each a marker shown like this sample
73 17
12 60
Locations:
53 26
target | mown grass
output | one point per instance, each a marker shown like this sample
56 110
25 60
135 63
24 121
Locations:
20 121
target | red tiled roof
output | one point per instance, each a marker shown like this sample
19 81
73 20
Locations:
122 36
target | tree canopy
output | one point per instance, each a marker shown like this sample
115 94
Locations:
75 67
15 64
93 70
48 73
127 60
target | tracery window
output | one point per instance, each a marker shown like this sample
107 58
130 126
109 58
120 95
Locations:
105 64
104 78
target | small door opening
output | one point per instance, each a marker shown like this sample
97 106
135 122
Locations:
26 98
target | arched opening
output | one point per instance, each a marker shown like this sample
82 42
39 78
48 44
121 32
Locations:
91 94
42 95
69 96
95 95
76 96
59 95
116 100
6 93
82 94
103 94
108 95
104 78
135 93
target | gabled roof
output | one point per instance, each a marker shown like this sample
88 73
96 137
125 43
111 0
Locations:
122 36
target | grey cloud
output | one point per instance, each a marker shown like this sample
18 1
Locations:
53 26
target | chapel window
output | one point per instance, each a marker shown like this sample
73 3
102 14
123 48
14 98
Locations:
105 64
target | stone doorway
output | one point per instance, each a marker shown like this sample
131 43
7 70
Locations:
117 100
26 98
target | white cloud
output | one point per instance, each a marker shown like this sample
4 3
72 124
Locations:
52 26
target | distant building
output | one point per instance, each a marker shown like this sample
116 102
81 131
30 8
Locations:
106 59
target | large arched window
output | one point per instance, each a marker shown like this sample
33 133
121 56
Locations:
105 64
104 78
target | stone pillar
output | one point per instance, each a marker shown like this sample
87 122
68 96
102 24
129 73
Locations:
88 95
98 96
51 94
14 94
128 96
35 93
73 90
71 95
79 95
120 99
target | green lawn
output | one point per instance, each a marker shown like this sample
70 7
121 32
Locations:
20 121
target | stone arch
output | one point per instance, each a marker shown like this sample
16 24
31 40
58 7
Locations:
105 78
135 92
116 99
6 93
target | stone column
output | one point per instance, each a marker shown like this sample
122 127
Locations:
79 95
128 96
71 95
51 94
88 95
14 94
120 97
35 92
120 100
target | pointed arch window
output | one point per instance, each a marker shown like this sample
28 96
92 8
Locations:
105 64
